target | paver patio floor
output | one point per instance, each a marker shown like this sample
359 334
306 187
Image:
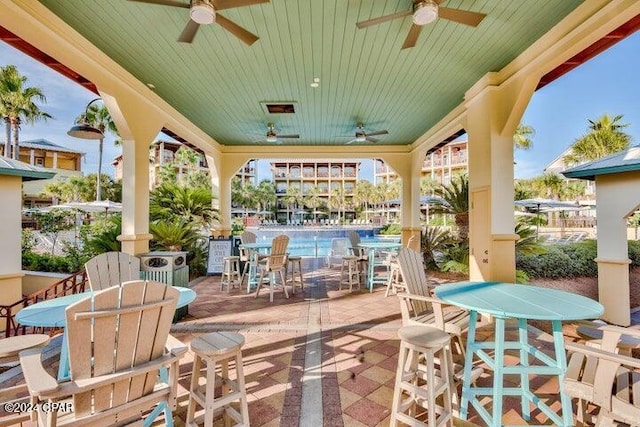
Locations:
323 357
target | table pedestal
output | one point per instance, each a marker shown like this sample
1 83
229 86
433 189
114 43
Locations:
550 366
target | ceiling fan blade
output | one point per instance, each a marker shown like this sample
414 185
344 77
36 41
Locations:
372 139
465 17
350 142
236 30
378 132
189 32
230 4
164 3
380 20
289 136
412 37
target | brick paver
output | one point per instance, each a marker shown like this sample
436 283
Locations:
358 350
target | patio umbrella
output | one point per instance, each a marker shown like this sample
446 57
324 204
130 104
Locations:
96 206
538 205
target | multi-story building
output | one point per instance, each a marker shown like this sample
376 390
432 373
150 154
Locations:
164 152
324 174
249 172
160 153
64 161
441 165
559 164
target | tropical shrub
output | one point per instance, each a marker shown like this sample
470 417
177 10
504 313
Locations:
391 230
435 240
101 236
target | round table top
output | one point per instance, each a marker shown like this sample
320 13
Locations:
51 313
380 245
257 245
11 346
519 301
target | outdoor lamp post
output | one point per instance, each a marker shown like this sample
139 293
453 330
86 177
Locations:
84 130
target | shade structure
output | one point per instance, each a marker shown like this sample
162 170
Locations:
301 212
96 206
538 204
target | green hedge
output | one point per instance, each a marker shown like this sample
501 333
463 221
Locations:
52 263
571 260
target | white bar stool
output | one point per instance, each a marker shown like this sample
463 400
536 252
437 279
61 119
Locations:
422 384
350 267
218 348
294 264
230 272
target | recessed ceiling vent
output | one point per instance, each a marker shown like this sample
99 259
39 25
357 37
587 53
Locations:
279 107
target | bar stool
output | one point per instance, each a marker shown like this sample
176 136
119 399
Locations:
10 349
293 262
350 266
218 348
422 384
230 272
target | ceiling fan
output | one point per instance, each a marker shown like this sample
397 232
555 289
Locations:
204 12
273 136
362 136
425 12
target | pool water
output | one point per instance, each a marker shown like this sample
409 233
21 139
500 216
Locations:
310 243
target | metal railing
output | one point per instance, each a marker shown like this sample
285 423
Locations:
72 284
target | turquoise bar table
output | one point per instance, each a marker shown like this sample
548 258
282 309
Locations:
255 248
522 302
51 314
373 247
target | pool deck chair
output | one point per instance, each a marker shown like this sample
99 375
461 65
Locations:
339 249
120 345
111 269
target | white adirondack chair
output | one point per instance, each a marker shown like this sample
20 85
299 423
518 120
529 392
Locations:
119 341
111 269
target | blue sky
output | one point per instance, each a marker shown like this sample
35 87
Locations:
558 112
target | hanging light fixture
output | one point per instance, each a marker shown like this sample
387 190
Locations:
425 12
84 130
202 12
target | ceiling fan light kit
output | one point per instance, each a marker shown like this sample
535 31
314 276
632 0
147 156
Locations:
202 12
425 12
271 137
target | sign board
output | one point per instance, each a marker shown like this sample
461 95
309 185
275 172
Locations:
218 249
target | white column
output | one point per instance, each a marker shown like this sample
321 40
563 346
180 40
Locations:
32 155
55 160
138 125
493 113
616 198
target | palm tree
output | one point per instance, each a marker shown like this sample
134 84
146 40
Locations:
265 194
312 200
363 193
99 118
522 137
293 197
17 105
455 201
337 200
172 202
185 156
605 136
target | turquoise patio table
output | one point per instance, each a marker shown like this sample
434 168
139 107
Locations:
51 314
373 247
522 302
256 248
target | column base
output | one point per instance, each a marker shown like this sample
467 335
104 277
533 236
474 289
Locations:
135 244
613 290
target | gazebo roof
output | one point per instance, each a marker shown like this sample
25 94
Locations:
623 161
26 171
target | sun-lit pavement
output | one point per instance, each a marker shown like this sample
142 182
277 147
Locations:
323 356
355 334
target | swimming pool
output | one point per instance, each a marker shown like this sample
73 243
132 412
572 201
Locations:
315 243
